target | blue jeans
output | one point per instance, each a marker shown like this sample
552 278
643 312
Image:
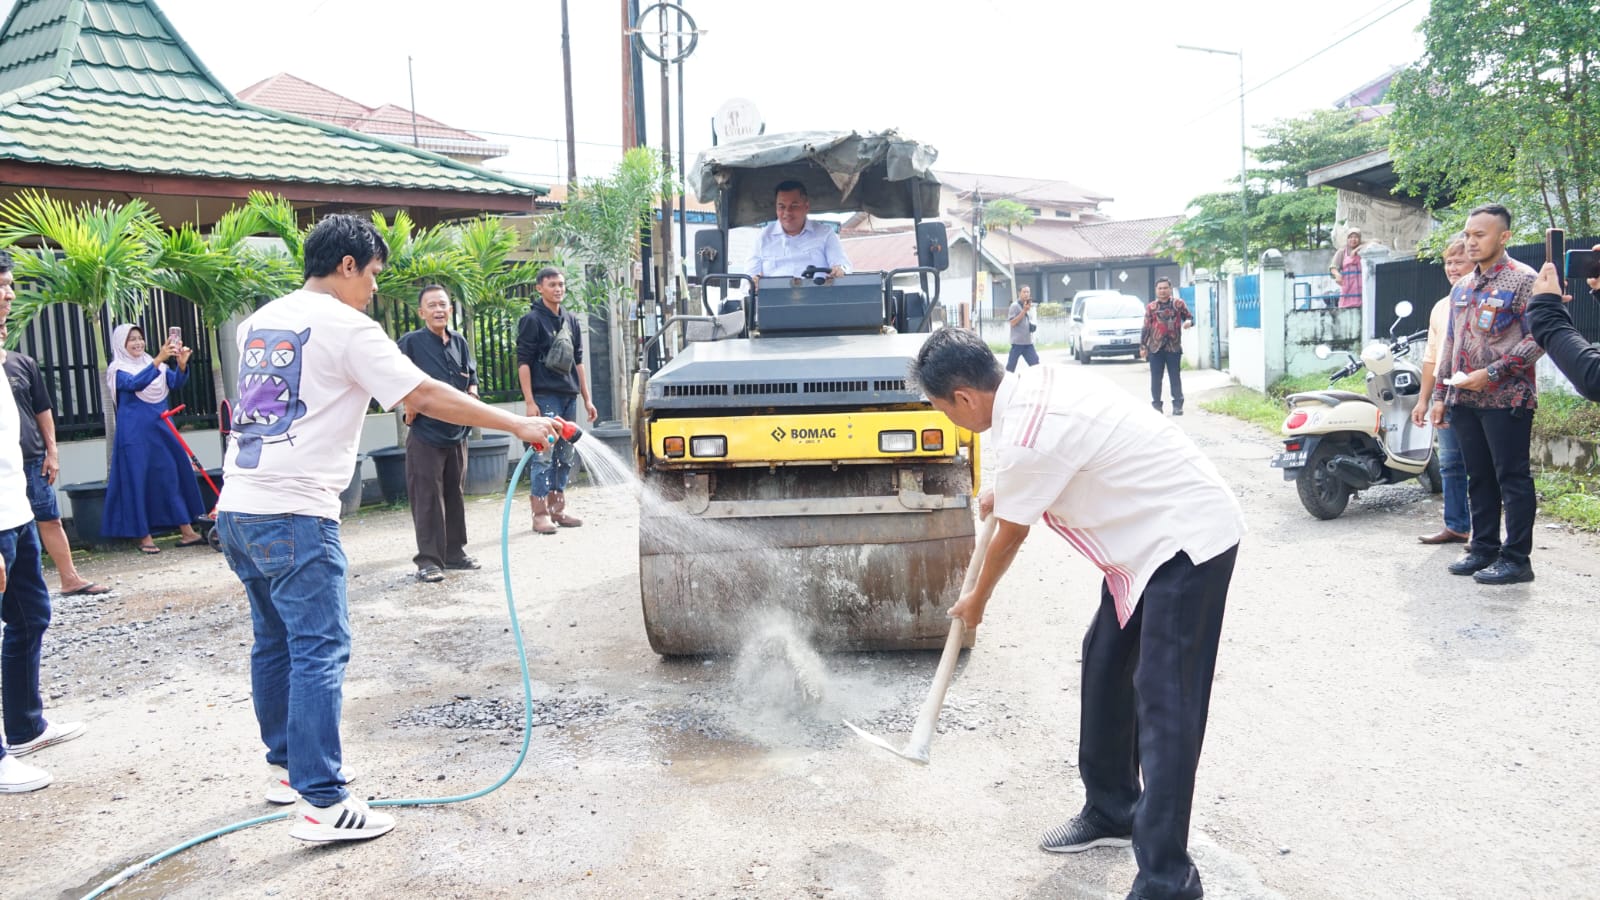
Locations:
293 570
551 467
1453 478
1024 352
25 611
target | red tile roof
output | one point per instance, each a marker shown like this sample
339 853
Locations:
296 96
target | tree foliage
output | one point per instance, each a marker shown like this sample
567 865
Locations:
1503 106
1285 214
599 225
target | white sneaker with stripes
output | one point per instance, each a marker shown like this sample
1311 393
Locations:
348 820
277 789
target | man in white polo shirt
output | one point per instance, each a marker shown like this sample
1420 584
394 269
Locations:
1130 492
789 244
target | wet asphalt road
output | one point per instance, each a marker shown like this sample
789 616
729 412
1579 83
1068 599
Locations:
1379 728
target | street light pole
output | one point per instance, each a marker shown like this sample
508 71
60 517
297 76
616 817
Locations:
1244 195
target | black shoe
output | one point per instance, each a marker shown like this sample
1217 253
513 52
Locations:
465 562
430 574
1082 833
1155 405
1474 561
1504 571
1177 410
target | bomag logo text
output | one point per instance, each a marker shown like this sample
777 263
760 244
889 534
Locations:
812 434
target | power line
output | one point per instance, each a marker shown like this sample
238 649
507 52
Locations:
1261 84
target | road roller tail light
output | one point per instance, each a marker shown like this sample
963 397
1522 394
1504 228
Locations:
672 447
933 439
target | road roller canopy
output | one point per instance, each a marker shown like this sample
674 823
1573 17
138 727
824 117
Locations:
882 174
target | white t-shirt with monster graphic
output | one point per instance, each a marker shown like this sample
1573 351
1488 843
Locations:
308 365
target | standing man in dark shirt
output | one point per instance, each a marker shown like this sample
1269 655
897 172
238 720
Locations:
436 451
552 380
1486 382
1162 343
1553 328
39 460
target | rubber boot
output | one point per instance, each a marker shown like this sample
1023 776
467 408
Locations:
541 516
558 511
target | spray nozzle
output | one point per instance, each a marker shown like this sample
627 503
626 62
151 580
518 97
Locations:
567 431
570 432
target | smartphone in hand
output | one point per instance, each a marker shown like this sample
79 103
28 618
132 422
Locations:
175 338
1555 247
1582 265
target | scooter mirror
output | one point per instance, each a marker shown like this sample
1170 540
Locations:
1323 351
1402 309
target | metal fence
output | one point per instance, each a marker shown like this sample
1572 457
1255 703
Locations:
1422 282
60 340
1247 301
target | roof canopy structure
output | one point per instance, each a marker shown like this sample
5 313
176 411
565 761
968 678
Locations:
882 174
103 98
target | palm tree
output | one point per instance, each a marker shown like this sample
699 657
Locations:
488 275
220 273
102 264
1007 214
416 258
599 227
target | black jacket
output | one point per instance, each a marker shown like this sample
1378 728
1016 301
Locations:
1577 359
536 331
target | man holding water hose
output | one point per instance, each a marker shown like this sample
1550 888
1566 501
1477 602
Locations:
309 363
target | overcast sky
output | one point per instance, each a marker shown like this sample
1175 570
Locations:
1093 93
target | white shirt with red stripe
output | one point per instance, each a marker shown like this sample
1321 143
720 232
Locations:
1116 479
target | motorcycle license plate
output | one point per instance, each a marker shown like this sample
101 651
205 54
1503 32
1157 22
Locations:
1286 459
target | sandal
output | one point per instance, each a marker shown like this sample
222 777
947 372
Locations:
194 543
152 550
90 589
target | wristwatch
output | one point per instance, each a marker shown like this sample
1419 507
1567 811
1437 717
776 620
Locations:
1494 372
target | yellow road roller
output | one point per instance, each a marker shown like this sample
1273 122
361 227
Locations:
788 466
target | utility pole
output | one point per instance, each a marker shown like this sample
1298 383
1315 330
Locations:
566 75
667 271
630 128
411 76
977 262
1244 194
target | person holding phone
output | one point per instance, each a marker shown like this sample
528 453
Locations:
1020 318
151 484
1555 331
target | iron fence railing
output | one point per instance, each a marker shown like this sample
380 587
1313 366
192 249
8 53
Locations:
60 340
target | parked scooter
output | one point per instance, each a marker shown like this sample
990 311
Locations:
1341 442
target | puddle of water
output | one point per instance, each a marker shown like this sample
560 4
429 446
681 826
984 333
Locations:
153 882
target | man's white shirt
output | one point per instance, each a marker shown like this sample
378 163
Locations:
1117 480
784 256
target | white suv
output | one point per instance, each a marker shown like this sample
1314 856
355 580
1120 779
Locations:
1105 324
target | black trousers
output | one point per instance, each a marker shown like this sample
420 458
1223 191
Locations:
434 480
1146 691
1169 361
1494 447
